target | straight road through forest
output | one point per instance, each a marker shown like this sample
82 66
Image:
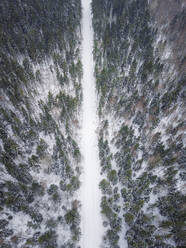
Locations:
91 222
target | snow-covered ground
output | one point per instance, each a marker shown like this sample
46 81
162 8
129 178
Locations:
91 221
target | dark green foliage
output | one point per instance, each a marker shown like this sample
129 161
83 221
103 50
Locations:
129 218
41 148
40 32
51 223
38 39
73 185
48 239
113 237
112 176
106 208
37 217
37 188
72 216
137 89
171 206
67 104
17 171
105 187
52 189
11 148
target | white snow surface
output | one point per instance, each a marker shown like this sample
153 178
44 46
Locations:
90 195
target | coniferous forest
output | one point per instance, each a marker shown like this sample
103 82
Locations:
139 70
40 74
140 78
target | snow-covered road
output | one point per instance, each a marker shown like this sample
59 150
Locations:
91 222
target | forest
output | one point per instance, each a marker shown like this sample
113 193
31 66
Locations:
141 107
40 85
139 72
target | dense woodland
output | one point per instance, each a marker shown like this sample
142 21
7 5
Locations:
141 106
140 80
40 96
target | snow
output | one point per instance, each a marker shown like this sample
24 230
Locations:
19 224
90 195
136 130
50 140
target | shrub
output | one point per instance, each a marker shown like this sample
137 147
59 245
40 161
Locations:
52 189
41 148
129 218
112 176
113 237
106 209
72 216
105 187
